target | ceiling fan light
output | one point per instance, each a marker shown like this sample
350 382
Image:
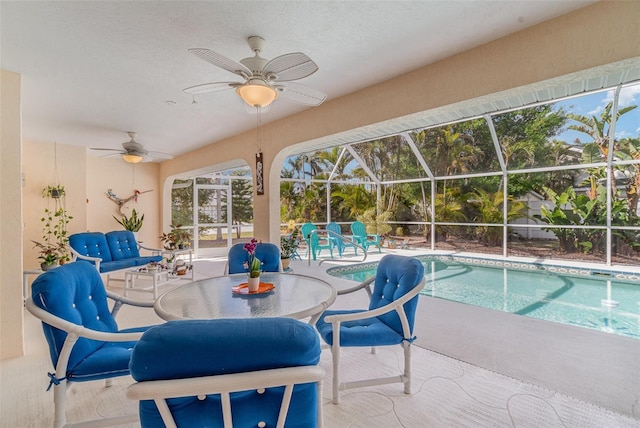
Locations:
131 158
257 94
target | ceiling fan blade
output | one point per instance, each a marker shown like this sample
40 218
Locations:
112 155
301 94
291 66
221 61
111 150
210 87
160 155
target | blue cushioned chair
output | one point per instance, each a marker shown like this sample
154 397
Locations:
315 244
363 238
266 252
340 241
388 321
253 372
84 340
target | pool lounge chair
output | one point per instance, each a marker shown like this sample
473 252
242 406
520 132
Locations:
341 242
314 242
363 238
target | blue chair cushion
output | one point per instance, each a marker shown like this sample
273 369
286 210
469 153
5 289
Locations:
366 332
396 276
75 292
194 348
110 360
91 244
122 244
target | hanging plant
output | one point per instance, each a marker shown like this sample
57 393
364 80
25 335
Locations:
54 192
54 224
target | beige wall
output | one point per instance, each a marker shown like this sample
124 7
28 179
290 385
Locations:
11 316
569 44
123 179
86 179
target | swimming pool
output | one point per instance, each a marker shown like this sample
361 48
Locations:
591 299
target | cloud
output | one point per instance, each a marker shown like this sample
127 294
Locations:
630 96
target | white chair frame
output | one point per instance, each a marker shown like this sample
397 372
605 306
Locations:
74 332
336 320
161 390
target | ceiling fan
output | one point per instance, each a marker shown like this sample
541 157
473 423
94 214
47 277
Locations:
134 152
264 80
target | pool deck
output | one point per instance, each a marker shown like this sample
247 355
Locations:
598 367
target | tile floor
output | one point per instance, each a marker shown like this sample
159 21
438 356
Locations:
446 392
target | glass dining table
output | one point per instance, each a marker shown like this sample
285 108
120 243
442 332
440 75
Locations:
292 296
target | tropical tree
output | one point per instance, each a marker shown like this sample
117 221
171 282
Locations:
241 201
598 129
489 210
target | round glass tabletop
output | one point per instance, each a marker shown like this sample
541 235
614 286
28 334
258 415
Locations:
293 296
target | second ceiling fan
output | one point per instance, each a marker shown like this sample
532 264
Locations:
264 80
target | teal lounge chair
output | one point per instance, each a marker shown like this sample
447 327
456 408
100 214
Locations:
341 242
315 243
363 238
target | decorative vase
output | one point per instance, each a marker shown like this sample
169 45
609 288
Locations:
285 263
253 284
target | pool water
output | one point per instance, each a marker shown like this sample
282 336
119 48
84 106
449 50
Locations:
600 303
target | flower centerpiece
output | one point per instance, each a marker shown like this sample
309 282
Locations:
253 265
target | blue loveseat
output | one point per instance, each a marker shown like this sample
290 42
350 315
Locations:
110 252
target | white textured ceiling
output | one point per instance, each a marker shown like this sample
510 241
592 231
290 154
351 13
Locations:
92 70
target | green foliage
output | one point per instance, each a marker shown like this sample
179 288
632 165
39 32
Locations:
376 221
50 254
56 191
241 201
177 238
54 226
289 244
489 209
132 223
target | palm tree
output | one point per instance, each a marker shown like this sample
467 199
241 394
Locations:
598 130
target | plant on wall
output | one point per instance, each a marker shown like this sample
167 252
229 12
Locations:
132 223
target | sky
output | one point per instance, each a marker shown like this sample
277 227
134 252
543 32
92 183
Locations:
628 126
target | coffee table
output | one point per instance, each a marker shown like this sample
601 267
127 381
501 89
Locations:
294 296
158 276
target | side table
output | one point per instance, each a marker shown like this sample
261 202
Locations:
158 276
25 281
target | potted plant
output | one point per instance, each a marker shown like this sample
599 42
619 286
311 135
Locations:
49 254
132 223
177 238
169 260
289 247
55 192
